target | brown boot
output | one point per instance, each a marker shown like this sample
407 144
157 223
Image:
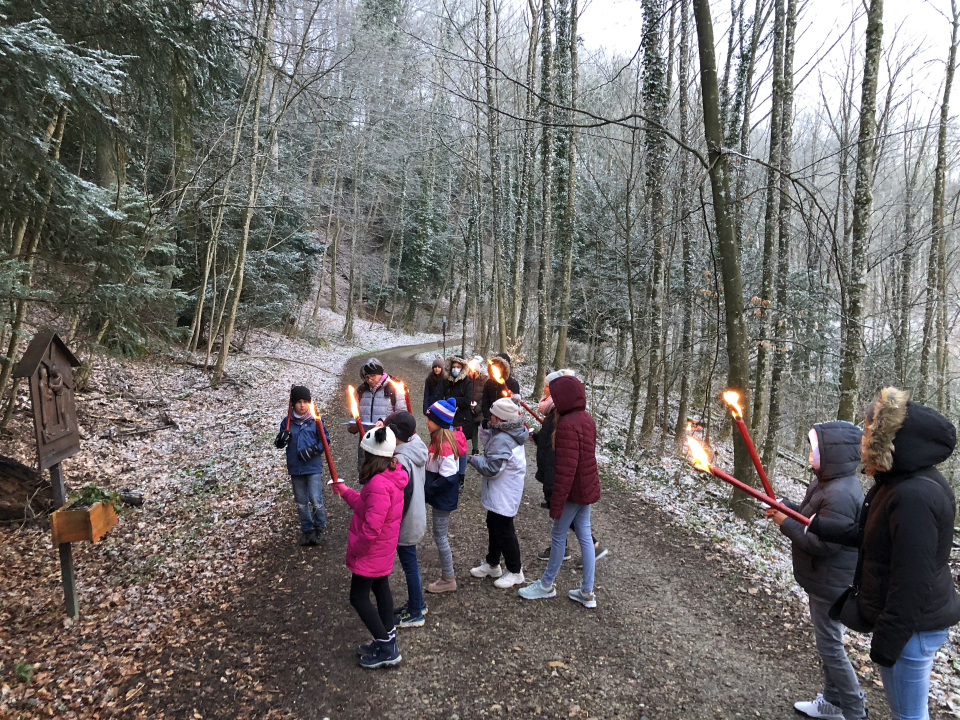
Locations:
446 583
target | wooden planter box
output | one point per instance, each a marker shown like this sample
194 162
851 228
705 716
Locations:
82 525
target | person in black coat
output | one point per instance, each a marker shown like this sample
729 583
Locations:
826 569
493 390
433 388
458 387
905 532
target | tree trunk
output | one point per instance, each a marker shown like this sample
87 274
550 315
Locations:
771 222
739 368
569 215
655 97
544 281
253 187
852 349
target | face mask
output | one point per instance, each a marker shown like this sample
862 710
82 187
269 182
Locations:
455 371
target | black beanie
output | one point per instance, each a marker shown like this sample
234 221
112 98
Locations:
403 424
299 392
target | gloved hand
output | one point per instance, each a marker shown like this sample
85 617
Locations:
309 453
283 437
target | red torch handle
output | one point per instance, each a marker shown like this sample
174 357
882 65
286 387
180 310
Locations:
326 451
753 456
356 419
757 495
406 396
527 408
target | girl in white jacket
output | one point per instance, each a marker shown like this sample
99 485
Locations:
503 466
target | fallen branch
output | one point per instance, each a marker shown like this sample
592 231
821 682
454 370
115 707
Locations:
281 359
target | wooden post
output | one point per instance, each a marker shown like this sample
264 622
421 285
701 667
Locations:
67 571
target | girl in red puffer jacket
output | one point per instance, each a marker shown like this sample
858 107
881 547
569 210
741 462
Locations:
576 486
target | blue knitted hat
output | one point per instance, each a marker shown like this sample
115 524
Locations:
442 412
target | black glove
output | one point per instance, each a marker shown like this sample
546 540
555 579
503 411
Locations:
309 454
283 437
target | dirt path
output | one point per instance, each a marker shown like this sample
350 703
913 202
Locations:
677 633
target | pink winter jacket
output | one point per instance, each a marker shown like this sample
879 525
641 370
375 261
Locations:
375 526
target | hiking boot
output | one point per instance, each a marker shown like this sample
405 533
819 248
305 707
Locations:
486 570
509 579
588 600
371 647
819 708
545 554
386 653
405 619
306 538
317 536
446 583
536 591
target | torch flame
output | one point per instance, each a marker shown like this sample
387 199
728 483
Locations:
398 386
496 374
507 393
698 454
313 411
354 408
689 425
732 398
474 365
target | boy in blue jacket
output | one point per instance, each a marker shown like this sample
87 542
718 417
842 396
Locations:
299 435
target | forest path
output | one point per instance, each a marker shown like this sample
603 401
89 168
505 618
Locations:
677 632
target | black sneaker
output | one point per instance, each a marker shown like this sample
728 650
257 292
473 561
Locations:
317 536
306 538
545 554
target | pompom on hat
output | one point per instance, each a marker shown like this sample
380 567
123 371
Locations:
506 409
379 441
442 413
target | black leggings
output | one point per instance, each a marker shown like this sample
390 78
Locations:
379 620
503 542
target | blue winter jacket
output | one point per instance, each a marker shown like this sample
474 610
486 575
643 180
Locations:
303 435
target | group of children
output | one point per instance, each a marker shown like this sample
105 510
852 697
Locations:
400 476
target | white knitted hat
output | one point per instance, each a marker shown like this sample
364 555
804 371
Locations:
558 374
506 409
379 441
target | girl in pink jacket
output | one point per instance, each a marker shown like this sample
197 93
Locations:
372 542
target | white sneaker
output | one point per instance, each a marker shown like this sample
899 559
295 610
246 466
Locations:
819 708
509 579
485 570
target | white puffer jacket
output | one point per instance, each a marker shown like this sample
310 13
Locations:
503 466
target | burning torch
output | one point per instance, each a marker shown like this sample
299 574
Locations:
700 460
402 389
498 377
326 446
733 401
355 408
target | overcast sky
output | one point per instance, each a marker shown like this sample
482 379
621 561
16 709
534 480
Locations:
615 25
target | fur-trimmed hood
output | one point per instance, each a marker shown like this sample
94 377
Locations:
448 366
502 363
902 436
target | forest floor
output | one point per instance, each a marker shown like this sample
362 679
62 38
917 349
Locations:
202 605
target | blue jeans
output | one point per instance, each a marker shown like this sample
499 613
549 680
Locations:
907 683
308 494
579 517
463 464
408 561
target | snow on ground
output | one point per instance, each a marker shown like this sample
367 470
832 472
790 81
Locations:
215 487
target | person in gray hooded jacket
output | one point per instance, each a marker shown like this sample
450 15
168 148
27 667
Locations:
412 454
826 569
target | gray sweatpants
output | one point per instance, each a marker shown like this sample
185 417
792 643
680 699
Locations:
840 686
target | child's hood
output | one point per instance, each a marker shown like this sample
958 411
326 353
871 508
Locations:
415 452
396 476
568 394
839 444
515 430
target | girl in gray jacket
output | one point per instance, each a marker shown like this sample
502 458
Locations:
826 569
